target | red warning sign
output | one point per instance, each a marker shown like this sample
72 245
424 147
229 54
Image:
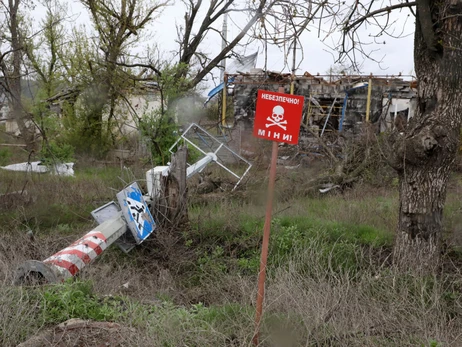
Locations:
278 116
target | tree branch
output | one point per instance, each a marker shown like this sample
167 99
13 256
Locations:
215 61
148 66
358 21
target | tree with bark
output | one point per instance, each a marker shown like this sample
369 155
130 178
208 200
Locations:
11 60
426 152
423 154
118 25
44 61
194 31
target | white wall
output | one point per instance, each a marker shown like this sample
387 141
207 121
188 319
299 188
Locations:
396 105
133 108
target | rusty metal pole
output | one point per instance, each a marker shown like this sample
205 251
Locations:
266 236
223 101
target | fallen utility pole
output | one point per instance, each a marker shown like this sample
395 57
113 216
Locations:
130 222
69 261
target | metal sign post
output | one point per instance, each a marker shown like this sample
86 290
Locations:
281 113
132 222
265 244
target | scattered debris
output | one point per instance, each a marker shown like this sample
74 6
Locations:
328 187
136 216
64 169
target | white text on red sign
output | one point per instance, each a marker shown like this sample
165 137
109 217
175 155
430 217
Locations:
274 135
280 98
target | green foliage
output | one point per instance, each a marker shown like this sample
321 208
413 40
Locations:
332 231
334 252
235 242
215 314
5 155
53 153
56 217
110 176
172 81
159 132
158 127
212 262
199 325
338 246
324 280
249 262
75 300
84 127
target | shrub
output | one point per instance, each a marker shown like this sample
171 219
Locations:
53 153
5 156
74 299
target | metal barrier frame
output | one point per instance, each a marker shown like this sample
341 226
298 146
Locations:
220 146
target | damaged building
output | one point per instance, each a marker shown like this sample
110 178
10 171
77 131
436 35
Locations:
332 103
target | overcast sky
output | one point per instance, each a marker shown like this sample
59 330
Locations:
396 55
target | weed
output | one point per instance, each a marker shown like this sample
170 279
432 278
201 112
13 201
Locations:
53 153
5 155
212 262
74 299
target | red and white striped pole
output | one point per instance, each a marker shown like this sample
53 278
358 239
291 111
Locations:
69 261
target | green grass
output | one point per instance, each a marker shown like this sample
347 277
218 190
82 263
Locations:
334 231
74 299
5 155
229 236
52 201
327 281
171 324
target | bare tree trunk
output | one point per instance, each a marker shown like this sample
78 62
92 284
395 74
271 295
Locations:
427 150
14 77
422 198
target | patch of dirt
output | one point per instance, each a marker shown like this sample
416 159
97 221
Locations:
80 333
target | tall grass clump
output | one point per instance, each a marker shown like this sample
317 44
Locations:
18 315
330 281
44 201
374 307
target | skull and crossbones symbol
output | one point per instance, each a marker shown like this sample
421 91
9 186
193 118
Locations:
277 118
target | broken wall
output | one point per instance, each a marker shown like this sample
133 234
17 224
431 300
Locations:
321 97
